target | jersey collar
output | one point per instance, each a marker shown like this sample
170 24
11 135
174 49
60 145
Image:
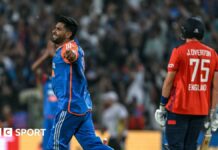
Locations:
63 44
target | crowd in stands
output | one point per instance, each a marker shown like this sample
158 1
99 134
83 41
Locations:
127 45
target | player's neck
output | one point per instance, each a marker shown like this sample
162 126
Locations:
61 44
191 40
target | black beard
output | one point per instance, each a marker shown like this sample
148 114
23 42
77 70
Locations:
59 40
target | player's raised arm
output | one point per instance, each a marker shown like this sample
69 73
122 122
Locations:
49 52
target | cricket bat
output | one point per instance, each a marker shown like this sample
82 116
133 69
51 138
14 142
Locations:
206 141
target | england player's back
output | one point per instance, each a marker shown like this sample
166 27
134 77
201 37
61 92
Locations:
194 64
69 81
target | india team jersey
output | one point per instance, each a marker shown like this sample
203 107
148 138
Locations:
69 82
195 64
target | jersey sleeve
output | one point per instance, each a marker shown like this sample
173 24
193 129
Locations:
174 61
72 46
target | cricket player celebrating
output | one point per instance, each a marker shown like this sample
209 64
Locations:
186 93
74 115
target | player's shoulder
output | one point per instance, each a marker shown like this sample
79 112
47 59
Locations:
176 50
71 45
207 47
181 45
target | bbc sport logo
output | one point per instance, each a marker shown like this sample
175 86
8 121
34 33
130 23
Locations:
9 132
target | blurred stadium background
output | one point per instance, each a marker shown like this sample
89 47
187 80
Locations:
127 45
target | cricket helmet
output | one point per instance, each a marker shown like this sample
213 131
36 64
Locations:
192 28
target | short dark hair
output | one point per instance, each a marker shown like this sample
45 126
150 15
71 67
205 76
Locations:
70 23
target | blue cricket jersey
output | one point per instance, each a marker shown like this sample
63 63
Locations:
50 100
69 81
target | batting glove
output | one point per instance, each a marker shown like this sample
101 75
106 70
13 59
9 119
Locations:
160 115
211 121
214 120
214 125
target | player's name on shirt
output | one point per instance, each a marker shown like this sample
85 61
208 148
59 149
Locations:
198 52
197 87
